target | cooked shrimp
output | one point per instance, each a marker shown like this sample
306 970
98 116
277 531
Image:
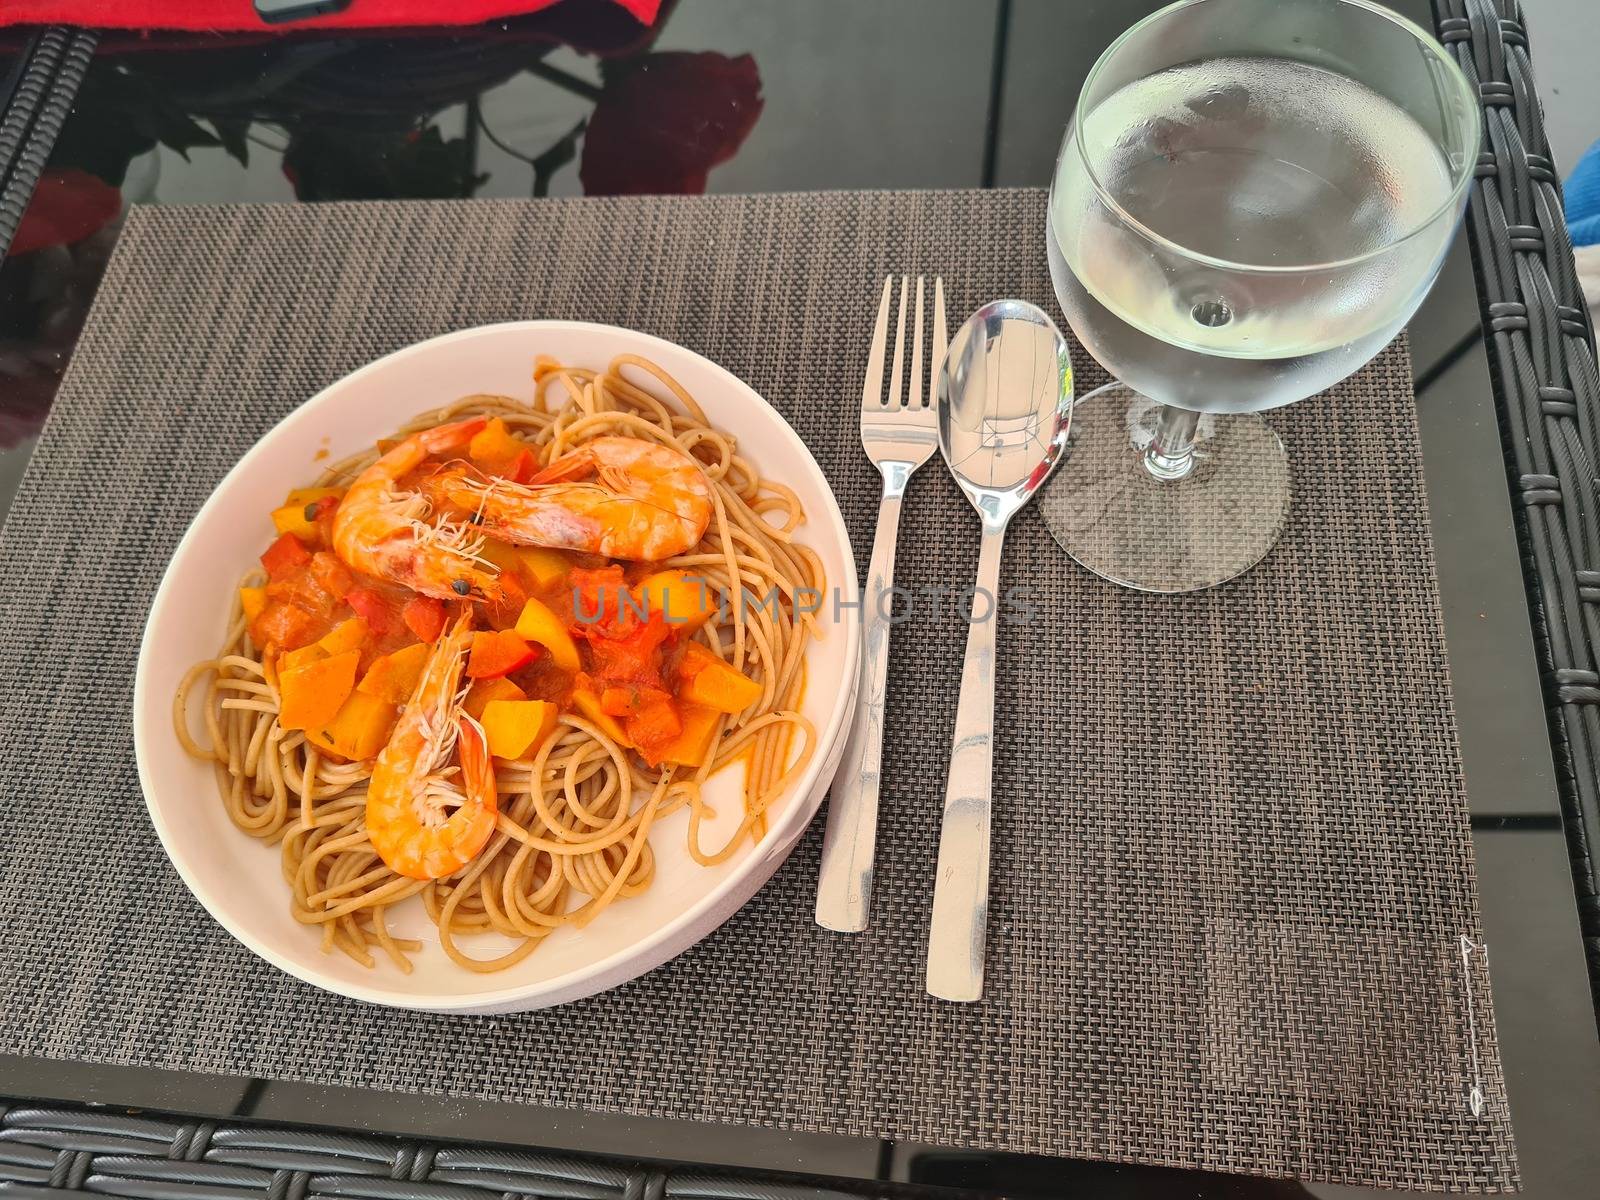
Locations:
381 531
413 788
621 497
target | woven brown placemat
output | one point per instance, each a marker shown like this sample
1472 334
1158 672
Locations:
1232 868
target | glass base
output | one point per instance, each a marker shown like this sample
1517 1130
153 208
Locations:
1110 513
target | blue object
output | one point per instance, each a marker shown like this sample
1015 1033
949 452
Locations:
1582 195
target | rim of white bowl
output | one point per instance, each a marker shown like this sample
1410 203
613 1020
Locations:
566 983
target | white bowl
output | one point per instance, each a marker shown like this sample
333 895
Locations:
237 878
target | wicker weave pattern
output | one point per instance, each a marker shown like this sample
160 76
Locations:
56 1153
1544 359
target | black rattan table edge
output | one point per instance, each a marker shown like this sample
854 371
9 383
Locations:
38 93
1541 351
57 1151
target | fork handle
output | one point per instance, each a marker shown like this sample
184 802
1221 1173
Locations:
961 883
844 884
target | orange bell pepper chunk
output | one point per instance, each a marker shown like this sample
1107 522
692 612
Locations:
312 693
539 624
514 727
347 635
359 730
544 566
681 600
536 566
303 657
495 448
395 676
304 517
497 652
485 691
699 726
703 678
588 703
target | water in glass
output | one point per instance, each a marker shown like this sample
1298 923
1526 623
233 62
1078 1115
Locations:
1260 229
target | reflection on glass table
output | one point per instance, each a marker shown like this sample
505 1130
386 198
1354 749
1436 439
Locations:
355 117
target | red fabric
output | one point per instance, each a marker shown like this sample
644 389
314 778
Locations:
240 15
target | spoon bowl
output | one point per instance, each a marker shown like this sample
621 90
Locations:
1005 403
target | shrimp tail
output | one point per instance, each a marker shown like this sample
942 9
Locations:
477 768
443 438
579 464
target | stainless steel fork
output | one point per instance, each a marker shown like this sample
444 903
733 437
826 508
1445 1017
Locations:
898 436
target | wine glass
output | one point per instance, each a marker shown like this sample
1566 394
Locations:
1251 200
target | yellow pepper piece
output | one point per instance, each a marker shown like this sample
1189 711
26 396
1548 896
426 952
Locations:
293 660
589 705
516 726
544 566
683 600
347 635
361 728
538 624
253 600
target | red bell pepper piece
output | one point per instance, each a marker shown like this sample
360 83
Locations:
498 652
373 608
523 468
284 555
424 616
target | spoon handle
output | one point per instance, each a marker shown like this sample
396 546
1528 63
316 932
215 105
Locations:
961 886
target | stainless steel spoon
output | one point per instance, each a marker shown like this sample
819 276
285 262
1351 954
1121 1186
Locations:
1005 400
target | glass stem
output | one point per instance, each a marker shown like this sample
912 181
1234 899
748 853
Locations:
1171 452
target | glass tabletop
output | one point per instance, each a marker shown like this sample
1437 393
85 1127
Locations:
773 95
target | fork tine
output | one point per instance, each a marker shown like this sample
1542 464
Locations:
897 375
872 386
916 353
940 340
